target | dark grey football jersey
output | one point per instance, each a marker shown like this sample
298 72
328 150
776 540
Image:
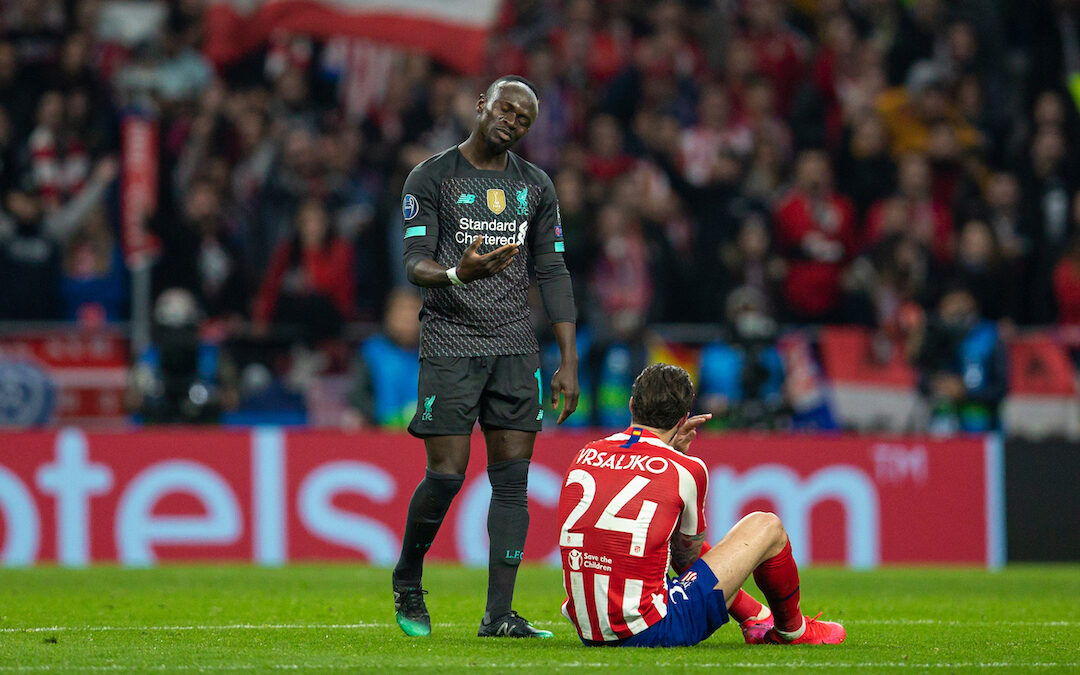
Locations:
446 204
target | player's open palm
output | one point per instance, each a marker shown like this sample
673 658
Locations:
688 432
473 266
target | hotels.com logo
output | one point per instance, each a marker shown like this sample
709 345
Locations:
794 498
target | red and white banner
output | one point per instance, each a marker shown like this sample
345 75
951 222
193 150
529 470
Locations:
138 187
88 368
453 32
271 496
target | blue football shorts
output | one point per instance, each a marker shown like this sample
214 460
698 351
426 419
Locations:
694 612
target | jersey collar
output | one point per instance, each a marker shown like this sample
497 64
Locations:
636 434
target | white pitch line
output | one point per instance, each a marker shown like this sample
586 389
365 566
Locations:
549 664
365 624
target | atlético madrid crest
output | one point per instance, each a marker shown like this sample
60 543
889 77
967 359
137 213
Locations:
496 201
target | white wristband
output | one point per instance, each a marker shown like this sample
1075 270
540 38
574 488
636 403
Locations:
451 274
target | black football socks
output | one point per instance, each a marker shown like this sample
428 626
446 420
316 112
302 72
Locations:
427 508
508 523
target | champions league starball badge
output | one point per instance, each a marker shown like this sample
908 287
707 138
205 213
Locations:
409 207
27 395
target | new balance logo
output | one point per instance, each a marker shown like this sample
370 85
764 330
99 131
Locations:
466 199
503 629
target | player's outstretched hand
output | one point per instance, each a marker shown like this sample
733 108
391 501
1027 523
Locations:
688 431
564 382
473 266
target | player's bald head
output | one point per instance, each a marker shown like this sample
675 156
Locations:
515 81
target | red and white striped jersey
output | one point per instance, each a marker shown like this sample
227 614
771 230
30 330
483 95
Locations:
621 500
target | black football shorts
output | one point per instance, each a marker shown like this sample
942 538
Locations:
503 392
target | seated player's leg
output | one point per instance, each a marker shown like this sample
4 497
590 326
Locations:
754 618
759 544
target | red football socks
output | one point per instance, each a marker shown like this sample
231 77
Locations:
778 579
745 607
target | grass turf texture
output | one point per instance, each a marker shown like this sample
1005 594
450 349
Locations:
340 618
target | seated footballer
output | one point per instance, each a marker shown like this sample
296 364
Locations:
634 501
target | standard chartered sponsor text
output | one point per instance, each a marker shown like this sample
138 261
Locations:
483 228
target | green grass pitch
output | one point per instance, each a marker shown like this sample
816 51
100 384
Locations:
335 618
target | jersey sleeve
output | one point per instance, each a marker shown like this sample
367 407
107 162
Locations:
547 223
420 214
693 484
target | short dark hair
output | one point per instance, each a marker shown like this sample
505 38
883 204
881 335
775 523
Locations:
511 78
661 395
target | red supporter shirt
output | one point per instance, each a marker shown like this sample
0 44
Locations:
621 501
1067 291
327 271
813 287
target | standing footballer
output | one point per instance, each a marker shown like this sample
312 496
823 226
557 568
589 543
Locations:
474 216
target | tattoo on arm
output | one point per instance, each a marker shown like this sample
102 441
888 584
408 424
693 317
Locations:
685 550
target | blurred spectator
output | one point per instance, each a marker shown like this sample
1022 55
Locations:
295 176
750 263
387 366
30 273
865 172
578 229
1067 285
29 263
622 275
716 134
16 91
912 112
180 377
962 366
309 286
551 130
607 159
815 233
35 28
1004 214
890 281
171 65
586 51
59 161
94 278
9 169
981 269
779 52
1048 186
919 25
198 255
925 219
742 377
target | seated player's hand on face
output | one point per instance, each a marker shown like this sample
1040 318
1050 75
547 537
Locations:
687 432
473 266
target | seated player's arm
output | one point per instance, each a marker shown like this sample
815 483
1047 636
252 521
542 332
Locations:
685 550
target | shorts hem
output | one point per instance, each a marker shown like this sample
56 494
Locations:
512 426
438 432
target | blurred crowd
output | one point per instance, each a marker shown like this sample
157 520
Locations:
751 164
